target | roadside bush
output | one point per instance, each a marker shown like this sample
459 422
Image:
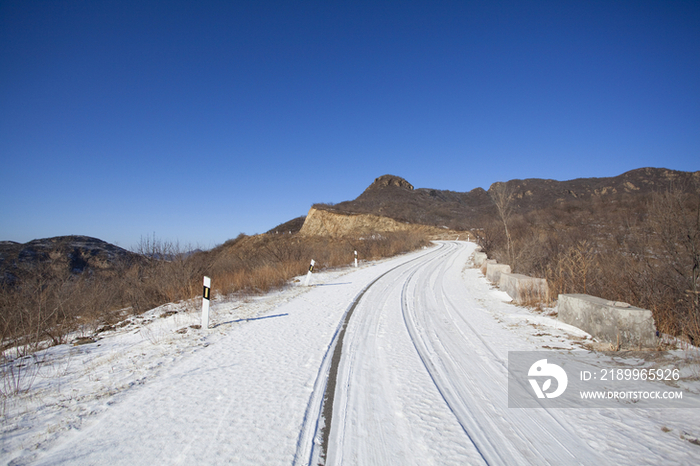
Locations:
260 263
44 306
644 251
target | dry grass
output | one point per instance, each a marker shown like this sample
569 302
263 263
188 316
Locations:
263 262
44 307
535 297
645 252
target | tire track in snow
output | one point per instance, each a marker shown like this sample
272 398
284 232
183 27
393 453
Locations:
380 415
374 403
466 371
386 409
312 442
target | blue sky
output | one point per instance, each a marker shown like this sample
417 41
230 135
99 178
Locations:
196 121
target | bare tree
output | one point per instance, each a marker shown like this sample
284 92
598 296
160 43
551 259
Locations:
502 196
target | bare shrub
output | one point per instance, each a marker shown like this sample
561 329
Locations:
37 309
170 269
570 271
643 250
260 263
45 306
535 297
17 374
675 221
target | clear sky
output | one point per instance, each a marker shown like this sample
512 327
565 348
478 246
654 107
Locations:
196 121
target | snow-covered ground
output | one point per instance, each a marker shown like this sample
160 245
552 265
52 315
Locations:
422 379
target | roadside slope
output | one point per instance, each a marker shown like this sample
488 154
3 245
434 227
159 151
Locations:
240 398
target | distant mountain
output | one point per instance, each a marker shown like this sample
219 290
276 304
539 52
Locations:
388 196
62 254
394 197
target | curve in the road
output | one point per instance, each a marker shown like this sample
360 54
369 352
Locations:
365 389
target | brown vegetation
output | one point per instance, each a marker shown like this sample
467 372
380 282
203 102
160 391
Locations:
259 263
625 238
641 249
393 197
45 303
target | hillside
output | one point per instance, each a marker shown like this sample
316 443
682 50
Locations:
633 238
64 254
393 197
287 228
321 222
390 203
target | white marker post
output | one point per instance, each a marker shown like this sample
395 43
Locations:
308 275
355 259
205 302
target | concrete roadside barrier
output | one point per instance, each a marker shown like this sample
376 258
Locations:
479 258
494 271
524 289
621 325
485 264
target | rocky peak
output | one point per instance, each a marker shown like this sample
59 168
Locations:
390 180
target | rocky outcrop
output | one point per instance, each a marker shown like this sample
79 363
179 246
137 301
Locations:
386 181
325 223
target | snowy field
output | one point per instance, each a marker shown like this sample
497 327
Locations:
422 379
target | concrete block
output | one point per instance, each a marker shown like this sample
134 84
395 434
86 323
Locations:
608 321
524 289
494 271
479 258
485 264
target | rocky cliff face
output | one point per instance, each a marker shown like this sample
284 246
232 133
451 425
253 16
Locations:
326 223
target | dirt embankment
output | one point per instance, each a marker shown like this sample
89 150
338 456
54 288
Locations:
325 223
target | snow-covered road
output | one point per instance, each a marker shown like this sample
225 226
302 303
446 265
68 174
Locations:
422 379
